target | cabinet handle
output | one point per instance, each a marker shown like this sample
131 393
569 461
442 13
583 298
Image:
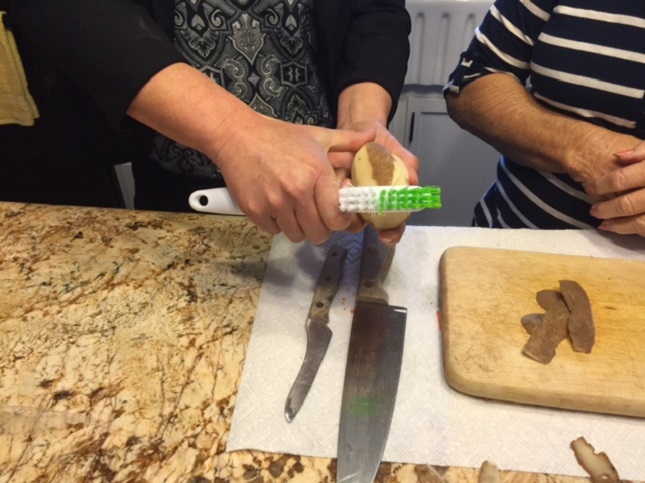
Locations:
411 129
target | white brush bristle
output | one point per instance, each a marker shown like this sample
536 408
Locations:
389 199
360 200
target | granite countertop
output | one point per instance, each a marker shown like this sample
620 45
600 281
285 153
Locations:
122 340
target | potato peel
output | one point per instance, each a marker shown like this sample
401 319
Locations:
581 325
489 473
597 465
546 336
568 314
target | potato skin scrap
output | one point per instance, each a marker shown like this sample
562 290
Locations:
530 322
547 298
489 473
597 465
551 331
582 331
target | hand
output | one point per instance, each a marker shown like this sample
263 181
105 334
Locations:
387 140
281 176
624 213
365 107
278 172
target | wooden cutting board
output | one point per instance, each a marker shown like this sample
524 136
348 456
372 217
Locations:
484 294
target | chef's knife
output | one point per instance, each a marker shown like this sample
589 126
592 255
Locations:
373 368
318 331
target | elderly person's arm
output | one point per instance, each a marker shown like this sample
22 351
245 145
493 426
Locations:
278 172
501 111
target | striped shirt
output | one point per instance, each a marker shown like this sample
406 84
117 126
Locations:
583 58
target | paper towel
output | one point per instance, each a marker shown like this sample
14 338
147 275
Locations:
432 423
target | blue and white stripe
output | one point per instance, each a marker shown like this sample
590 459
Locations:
583 58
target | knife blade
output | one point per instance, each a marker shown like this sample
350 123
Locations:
373 368
318 331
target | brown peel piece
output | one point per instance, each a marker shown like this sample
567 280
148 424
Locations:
547 298
489 473
597 465
546 336
531 321
581 325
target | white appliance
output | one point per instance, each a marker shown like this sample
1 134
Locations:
463 165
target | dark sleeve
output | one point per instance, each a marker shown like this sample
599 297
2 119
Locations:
503 43
111 48
377 46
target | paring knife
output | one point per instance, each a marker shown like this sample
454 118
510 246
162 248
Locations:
373 368
318 331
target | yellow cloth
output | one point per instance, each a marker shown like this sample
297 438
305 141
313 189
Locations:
16 104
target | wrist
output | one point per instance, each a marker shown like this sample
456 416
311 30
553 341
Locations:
234 131
592 151
363 103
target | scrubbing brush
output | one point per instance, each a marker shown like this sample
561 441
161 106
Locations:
370 199
389 199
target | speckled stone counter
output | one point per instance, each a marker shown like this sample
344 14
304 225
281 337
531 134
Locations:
122 340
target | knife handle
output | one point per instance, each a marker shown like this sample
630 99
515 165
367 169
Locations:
375 265
328 282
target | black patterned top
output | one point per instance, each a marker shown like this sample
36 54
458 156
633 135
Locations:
262 51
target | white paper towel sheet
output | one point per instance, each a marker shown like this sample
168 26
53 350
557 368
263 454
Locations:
432 423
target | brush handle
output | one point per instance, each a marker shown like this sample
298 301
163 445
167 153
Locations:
215 200
351 200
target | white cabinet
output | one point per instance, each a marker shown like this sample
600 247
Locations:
460 163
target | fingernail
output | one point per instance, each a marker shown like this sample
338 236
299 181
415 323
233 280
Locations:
388 240
623 152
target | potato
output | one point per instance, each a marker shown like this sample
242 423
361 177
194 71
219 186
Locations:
375 165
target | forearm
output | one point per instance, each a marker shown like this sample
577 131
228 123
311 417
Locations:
499 110
376 47
188 107
363 102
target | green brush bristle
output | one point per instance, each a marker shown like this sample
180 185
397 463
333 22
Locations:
413 198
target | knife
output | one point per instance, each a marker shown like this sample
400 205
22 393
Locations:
373 368
318 332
